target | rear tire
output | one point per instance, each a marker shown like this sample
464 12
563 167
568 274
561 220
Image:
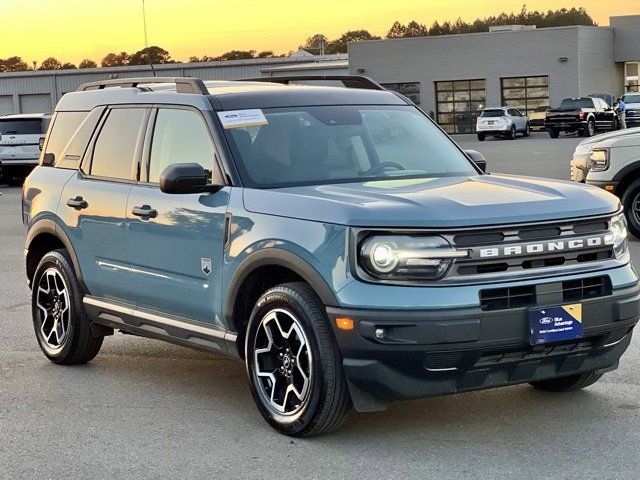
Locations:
527 130
512 133
61 325
553 132
481 137
288 340
590 129
568 384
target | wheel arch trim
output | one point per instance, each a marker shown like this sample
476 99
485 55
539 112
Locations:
280 258
50 227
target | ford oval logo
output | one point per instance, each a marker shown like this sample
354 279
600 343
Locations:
546 320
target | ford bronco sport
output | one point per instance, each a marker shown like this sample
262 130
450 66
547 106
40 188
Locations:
335 239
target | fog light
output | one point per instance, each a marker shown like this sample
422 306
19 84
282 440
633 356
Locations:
380 333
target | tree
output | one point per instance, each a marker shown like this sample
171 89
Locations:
68 66
13 64
238 55
88 63
50 63
340 44
315 44
148 55
397 30
115 60
265 54
413 29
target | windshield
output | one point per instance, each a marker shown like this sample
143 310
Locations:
631 98
20 127
338 144
577 103
492 113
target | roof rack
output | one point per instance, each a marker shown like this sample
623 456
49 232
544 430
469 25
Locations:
183 84
349 81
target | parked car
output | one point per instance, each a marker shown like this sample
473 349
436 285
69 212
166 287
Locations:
632 103
335 239
612 162
585 115
20 137
502 122
609 98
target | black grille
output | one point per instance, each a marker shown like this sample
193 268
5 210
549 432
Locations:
525 296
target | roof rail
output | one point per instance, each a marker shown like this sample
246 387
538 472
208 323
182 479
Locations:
349 81
183 84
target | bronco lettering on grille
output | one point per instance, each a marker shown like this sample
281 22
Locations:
545 247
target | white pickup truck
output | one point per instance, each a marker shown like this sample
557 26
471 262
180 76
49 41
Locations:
612 161
20 137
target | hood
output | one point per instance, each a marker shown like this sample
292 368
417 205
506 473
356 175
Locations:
435 202
632 106
610 135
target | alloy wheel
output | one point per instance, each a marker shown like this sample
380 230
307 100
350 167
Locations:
282 362
53 302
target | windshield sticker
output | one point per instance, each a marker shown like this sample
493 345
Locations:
242 118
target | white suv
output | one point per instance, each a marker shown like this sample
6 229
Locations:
20 137
502 121
612 161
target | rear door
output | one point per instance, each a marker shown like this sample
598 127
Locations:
175 243
93 203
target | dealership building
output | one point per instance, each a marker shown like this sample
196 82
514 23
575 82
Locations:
451 77
456 76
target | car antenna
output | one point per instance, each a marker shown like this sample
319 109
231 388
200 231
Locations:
146 42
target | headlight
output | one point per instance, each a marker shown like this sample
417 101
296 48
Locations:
405 258
617 236
599 159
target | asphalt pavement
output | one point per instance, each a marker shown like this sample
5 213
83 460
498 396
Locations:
145 409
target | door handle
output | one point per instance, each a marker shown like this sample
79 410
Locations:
144 211
78 203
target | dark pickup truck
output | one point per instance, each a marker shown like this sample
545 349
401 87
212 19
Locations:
585 115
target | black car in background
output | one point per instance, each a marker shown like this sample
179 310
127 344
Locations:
585 115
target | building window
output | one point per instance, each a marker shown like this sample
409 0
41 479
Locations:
631 78
459 103
530 95
411 90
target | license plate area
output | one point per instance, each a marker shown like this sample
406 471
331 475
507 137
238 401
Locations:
555 323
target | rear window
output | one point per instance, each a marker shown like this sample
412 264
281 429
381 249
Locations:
577 103
492 113
21 127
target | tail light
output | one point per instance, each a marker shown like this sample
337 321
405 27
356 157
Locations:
41 143
24 220
504 117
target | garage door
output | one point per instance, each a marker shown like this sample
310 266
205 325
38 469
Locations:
35 103
459 103
6 104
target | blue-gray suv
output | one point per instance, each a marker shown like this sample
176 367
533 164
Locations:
332 237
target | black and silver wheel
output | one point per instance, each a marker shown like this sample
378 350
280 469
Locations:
61 326
293 363
631 202
590 129
568 384
512 133
527 130
553 132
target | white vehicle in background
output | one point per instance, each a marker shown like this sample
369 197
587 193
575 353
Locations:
20 137
502 122
612 161
632 103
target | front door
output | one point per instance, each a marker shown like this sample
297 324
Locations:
175 242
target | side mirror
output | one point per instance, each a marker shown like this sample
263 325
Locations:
477 158
181 178
48 160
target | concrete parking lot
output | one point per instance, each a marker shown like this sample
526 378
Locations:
144 409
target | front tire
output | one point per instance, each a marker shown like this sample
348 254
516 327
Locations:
568 384
61 325
293 363
631 202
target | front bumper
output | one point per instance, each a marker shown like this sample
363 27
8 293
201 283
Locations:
435 352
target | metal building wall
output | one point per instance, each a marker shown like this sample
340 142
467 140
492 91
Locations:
14 87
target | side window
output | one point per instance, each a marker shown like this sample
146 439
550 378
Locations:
180 136
116 144
64 127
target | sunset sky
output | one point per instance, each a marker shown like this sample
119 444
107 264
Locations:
75 29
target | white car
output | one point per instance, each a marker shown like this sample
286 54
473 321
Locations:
612 161
20 137
502 122
632 103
